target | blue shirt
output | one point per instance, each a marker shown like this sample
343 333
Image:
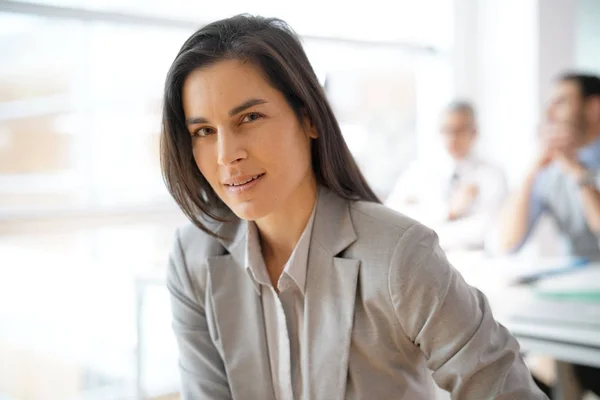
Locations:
558 194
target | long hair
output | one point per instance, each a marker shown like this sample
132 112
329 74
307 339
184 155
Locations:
271 45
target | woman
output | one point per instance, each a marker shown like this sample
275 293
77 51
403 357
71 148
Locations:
293 282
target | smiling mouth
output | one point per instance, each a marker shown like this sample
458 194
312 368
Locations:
245 181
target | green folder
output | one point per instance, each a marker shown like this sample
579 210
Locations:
583 295
582 285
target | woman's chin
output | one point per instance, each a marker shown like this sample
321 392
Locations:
249 210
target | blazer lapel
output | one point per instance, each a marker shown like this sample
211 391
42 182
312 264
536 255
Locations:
329 301
239 319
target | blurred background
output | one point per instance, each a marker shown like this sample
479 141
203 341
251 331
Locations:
85 220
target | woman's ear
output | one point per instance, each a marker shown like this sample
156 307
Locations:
308 126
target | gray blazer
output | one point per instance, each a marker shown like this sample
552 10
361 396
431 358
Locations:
382 306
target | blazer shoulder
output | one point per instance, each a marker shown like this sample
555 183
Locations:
197 245
391 244
379 227
387 221
187 271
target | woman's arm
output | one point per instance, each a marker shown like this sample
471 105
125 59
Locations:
470 354
202 371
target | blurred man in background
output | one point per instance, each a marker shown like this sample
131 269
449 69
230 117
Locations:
458 196
564 181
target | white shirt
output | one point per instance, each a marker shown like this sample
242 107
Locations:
283 312
423 192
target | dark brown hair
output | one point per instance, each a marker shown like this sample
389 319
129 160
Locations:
272 46
589 85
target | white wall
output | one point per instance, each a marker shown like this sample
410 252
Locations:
557 21
505 56
587 36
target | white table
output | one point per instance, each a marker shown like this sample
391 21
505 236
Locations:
567 330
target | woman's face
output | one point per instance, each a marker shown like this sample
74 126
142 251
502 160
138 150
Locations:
246 139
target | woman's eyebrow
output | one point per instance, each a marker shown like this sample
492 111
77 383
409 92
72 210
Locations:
235 110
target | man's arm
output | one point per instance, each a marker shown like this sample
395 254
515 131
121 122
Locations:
521 212
519 215
591 206
590 195
411 196
470 231
462 202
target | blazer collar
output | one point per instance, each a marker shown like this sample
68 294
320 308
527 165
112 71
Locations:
332 228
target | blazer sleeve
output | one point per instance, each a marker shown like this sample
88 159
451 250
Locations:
470 354
202 370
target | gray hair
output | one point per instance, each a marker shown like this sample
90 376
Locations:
461 106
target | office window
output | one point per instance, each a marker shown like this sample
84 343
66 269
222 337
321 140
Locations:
39 78
80 113
373 93
424 23
126 70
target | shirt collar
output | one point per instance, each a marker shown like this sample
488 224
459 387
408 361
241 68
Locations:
462 166
590 154
255 264
295 267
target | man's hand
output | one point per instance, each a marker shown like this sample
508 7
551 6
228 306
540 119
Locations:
462 200
544 158
563 144
570 165
560 144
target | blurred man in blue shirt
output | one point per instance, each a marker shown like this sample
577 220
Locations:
564 182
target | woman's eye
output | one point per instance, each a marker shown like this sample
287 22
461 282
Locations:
251 117
204 131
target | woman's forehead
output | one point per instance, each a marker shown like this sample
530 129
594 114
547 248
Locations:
226 84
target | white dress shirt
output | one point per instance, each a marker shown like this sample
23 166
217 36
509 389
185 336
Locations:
424 190
283 311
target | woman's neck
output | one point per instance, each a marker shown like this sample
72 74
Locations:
281 230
